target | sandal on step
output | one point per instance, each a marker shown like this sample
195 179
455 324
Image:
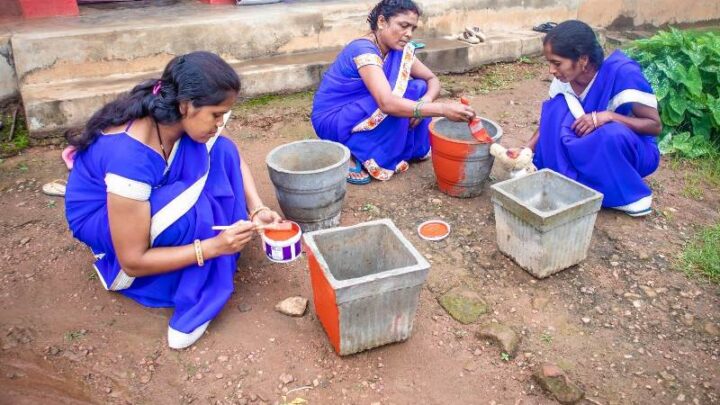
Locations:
356 175
55 188
545 27
476 32
469 38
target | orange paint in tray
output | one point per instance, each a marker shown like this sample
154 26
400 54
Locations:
434 230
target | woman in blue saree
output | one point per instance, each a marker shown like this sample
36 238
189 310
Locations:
376 96
152 175
600 124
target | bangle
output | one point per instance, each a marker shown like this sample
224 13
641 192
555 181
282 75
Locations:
199 253
257 210
594 117
416 110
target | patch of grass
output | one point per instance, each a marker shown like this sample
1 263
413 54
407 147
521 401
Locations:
92 275
693 188
504 356
271 100
546 337
499 76
700 174
73 335
702 255
21 137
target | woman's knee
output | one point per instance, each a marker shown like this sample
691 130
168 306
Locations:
614 134
416 89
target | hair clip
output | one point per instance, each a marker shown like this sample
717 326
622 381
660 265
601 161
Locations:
156 88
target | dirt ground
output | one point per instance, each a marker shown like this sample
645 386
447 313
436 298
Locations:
624 324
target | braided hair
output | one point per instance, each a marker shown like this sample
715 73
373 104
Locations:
389 9
202 78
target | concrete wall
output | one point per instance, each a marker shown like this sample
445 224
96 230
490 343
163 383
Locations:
8 80
648 12
75 48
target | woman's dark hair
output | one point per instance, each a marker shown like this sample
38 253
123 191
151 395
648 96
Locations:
391 8
573 39
201 78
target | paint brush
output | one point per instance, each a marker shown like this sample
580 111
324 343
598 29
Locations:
477 129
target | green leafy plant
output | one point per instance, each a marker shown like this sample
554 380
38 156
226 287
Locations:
684 69
546 337
504 356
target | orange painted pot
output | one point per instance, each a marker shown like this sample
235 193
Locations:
460 162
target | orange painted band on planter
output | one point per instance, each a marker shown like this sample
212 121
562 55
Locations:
434 230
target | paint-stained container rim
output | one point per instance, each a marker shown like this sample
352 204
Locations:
283 251
434 230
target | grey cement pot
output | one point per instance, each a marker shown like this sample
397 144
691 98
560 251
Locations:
309 179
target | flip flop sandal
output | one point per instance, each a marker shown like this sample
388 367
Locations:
469 38
402 167
356 175
477 33
545 27
55 188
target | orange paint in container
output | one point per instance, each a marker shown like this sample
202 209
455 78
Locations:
434 230
282 245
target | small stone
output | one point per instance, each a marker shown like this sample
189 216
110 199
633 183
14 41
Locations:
464 305
637 303
688 319
198 376
649 291
477 352
24 241
666 376
586 320
540 302
145 379
470 367
711 329
286 378
554 381
222 359
293 306
614 264
219 376
503 335
244 307
315 382
436 201
681 398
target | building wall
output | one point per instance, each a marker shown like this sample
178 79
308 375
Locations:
42 57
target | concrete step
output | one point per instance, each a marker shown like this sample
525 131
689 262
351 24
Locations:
52 107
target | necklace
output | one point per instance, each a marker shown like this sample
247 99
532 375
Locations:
162 148
377 43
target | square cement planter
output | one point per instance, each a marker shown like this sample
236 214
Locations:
366 281
544 221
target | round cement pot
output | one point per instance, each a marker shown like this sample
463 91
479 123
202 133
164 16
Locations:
461 163
309 179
